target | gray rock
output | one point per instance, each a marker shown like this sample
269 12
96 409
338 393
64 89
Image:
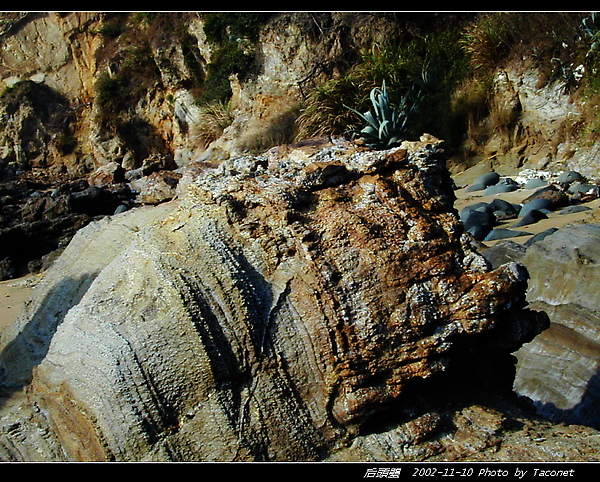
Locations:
487 179
539 236
557 197
532 217
484 181
500 188
481 218
504 206
574 209
535 183
479 223
558 370
504 252
479 232
583 188
475 187
539 204
569 177
503 233
121 209
481 206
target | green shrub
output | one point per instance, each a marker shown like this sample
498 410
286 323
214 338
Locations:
222 27
419 71
488 40
324 112
234 36
227 60
112 97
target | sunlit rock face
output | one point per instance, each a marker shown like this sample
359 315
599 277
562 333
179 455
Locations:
272 312
559 369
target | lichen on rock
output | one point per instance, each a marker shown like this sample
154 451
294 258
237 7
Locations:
277 310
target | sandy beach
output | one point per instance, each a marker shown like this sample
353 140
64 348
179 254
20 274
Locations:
555 219
13 295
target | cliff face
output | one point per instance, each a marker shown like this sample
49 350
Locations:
285 305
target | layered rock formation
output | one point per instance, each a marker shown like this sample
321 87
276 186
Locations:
314 303
558 370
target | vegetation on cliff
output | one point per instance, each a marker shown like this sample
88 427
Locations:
447 59
451 63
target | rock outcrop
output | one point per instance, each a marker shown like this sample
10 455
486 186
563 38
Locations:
307 304
38 218
101 97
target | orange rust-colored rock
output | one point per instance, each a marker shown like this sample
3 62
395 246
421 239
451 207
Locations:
282 306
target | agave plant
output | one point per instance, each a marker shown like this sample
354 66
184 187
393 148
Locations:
386 123
591 26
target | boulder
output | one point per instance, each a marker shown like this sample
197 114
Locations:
157 187
483 181
503 233
569 177
481 206
538 204
583 192
505 207
107 174
503 252
503 210
532 217
553 195
479 222
488 179
503 186
558 370
539 236
267 315
574 209
535 183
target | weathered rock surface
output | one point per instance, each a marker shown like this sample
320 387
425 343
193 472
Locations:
38 218
559 369
314 303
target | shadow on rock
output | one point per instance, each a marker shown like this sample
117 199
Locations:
586 412
28 348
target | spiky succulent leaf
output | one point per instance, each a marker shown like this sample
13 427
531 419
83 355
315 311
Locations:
386 123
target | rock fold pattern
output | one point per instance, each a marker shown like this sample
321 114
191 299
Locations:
282 306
